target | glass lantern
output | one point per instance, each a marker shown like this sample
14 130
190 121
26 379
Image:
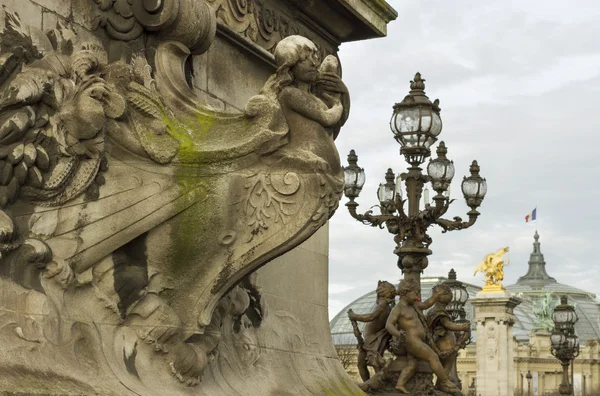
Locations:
416 123
460 296
354 177
387 190
474 187
441 170
564 316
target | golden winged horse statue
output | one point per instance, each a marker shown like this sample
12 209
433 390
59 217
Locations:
493 267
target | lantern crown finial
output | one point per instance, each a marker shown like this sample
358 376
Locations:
418 83
474 169
452 274
441 150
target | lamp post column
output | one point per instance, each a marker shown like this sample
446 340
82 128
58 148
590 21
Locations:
412 255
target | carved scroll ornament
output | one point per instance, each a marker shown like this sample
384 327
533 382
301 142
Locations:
188 21
260 22
129 204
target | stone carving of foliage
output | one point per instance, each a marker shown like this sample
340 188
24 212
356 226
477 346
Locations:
54 107
268 198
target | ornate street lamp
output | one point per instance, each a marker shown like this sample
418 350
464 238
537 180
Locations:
564 342
354 177
529 377
460 295
416 125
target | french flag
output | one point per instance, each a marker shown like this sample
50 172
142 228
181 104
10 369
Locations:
530 216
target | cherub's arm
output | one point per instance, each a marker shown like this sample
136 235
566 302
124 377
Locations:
309 107
332 83
390 325
450 325
427 303
366 317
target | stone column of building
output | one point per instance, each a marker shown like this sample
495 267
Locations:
495 345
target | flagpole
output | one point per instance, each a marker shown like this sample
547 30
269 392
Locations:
536 218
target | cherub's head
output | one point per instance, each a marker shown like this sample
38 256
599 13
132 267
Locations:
445 293
294 49
408 290
386 291
297 58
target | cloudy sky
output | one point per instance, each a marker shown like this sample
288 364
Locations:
512 77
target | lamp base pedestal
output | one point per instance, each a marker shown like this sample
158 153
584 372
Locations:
420 384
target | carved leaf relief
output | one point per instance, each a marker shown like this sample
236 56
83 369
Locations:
269 199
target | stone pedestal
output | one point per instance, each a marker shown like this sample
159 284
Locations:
495 345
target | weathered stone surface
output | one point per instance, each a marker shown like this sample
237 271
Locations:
86 14
495 318
134 211
223 79
29 12
62 7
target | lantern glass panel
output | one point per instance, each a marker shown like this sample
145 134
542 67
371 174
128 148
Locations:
464 296
560 317
385 193
573 341
436 169
428 142
470 188
399 186
456 294
425 120
360 179
436 125
411 139
381 193
407 120
389 192
557 339
450 171
482 189
573 316
350 178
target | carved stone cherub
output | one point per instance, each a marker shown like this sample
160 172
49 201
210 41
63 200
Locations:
375 338
407 322
443 329
313 119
